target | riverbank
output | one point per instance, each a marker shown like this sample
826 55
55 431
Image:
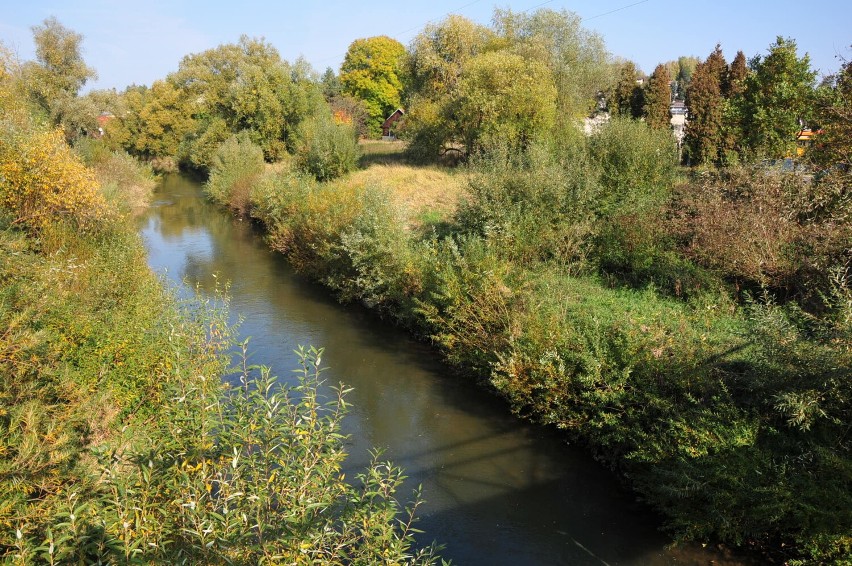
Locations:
673 384
120 441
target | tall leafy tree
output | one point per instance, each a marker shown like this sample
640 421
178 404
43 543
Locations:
778 99
59 68
703 137
457 64
439 53
164 119
372 71
658 99
576 57
434 66
56 76
504 97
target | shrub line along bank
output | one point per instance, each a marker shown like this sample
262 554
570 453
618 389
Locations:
557 284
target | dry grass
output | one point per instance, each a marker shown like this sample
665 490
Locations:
381 152
417 191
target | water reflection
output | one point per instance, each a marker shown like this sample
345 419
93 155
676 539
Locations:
498 491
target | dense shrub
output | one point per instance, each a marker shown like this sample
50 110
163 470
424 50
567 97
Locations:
326 149
127 183
471 302
42 181
251 476
351 238
237 166
636 166
764 228
640 248
535 205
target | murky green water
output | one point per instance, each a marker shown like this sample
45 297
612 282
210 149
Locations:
498 490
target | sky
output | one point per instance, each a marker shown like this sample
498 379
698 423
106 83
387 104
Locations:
140 42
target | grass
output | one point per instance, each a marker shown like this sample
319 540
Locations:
424 195
380 152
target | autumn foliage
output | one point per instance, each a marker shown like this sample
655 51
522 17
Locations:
43 181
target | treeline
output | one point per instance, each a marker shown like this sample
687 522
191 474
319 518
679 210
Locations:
119 441
464 87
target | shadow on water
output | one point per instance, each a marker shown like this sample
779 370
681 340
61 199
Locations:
498 490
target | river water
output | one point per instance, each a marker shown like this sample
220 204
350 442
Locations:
498 490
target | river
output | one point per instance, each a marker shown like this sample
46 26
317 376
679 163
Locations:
498 490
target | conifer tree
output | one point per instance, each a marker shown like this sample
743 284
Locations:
627 97
658 99
732 117
703 137
735 78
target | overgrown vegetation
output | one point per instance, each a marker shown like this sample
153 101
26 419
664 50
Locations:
691 327
120 441
597 291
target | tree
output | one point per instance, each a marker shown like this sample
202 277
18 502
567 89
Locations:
164 119
658 99
248 87
681 71
577 58
502 96
703 135
331 86
627 94
778 99
833 146
567 67
439 53
372 71
59 69
327 148
57 75
735 78
733 87
435 63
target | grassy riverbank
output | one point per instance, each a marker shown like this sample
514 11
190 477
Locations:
584 281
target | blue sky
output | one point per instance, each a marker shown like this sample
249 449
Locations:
140 42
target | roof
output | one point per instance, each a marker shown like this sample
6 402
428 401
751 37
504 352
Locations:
393 117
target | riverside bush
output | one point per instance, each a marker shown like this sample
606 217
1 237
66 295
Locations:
236 167
326 149
43 181
126 183
767 229
636 166
254 476
535 205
